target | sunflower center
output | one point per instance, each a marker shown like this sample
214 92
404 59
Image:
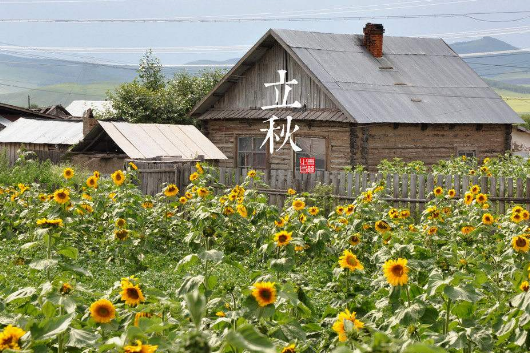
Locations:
520 242
354 239
133 293
397 270
103 311
61 195
351 261
265 294
282 238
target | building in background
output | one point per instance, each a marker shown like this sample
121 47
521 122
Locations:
79 107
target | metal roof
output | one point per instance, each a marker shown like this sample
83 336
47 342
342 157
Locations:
141 141
310 114
50 132
418 80
4 121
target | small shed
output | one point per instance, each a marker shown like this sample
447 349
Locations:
521 141
107 145
49 139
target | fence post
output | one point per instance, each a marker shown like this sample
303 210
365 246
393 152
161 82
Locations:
413 194
502 206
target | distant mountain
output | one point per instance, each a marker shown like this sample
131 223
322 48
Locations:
485 44
214 62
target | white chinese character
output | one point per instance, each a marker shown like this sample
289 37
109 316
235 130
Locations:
285 133
287 89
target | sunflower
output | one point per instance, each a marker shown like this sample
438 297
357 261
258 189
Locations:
188 195
482 198
251 173
313 211
340 210
228 210
524 286
517 209
291 192
43 222
367 196
302 218
102 311
68 173
147 204
280 223
120 222
232 196
451 193
283 238
298 205
355 239
468 198
349 209
131 294
488 219
242 210
438 191
396 272
112 196
264 293
86 207
289 349
432 230
467 229
393 213
118 177
520 244
140 348
10 336
516 217
475 189
61 196
472 172
121 234
183 200
404 214
349 260
43 197
382 227
198 166
133 166
202 192
525 215
96 174
92 182
171 190
340 328
66 288
194 176
138 316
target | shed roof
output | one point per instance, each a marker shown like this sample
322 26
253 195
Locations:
5 122
37 131
142 141
418 80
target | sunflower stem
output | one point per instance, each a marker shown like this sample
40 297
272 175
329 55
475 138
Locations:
447 312
408 293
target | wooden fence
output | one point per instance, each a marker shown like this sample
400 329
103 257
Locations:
411 191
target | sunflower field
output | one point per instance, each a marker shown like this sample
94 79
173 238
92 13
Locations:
99 267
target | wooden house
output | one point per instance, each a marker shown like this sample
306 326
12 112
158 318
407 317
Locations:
363 98
10 113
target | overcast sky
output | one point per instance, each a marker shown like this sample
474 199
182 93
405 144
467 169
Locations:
86 40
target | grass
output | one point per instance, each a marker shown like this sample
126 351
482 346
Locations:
519 102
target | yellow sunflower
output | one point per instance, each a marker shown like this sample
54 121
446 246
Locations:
228 210
313 211
242 210
283 238
520 244
291 192
475 189
66 288
202 192
289 349
482 198
121 234
355 239
188 195
340 210
404 214
451 193
396 272
10 336
302 218
382 227
517 209
438 191
524 286
194 176
264 293
468 198
68 173
120 222
118 177
140 348
251 173
516 217
96 174
131 294
467 229
340 328
432 230
147 204
298 205
198 166
171 190
367 196
61 196
488 219
133 166
137 317
525 215
349 260
102 311
349 209
183 200
92 182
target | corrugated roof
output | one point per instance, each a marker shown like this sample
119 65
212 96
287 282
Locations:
4 121
52 132
418 80
140 141
310 114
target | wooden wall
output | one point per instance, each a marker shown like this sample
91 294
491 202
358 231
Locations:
55 151
224 133
250 91
428 143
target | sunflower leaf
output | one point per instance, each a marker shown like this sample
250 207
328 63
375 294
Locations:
81 338
246 337
49 328
21 293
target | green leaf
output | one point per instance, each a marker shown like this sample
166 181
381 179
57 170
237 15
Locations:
246 337
196 303
467 293
82 338
190 284
423 348
43 264
464 310
187 262
76 269
69 252
51 327
48 309
283 264
21 293
212 255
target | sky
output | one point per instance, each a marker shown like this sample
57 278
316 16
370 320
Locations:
211 31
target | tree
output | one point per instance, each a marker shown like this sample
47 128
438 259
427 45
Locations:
151 98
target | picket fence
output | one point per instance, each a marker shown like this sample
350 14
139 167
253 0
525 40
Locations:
410 191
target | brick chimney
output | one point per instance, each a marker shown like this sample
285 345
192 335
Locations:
373 39
88 121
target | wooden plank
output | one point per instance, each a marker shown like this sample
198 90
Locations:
342 183
493 192
364 181
430 184
350 185
502 204
405 189
421 191
357 185
457 186
484 184
273 199
413 193
510 189
395 186
388 185
465 184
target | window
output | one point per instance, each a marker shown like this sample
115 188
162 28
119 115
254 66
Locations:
312 147
249 153
467 153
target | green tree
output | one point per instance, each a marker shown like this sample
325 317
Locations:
151 98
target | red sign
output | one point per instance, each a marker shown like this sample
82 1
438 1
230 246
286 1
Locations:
307 165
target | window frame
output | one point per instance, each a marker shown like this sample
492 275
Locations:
326 154
236 151
462 151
